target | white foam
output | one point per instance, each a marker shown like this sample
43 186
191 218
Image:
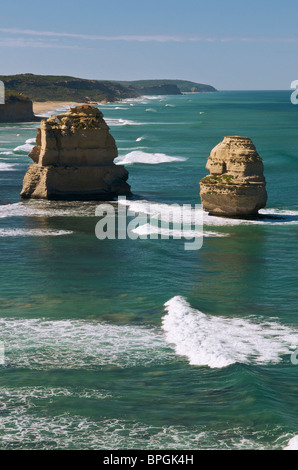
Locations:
292 444
217 342
137 156
149 229
140 138
267 217
79 344
70 431
122 122
25 148
33 233
35 208
130 148
51 112
151 110
166 212
185 220
5 153
155 97
7 167
27 425
278 212
31 141
25 395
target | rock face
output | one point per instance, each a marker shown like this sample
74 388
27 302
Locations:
17 108
73 159
236 185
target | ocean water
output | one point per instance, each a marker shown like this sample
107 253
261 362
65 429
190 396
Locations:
141 344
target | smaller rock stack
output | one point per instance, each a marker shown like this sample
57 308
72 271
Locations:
17 108
236 186
73 159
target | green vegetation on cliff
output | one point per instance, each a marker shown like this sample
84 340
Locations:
64 88
183 86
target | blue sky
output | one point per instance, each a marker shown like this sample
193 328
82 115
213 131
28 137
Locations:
233 44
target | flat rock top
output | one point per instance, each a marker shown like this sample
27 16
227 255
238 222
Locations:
83 117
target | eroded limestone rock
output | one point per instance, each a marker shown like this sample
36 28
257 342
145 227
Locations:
73 159
236 186
16 108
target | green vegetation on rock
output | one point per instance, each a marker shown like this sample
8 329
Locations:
13 97
213 179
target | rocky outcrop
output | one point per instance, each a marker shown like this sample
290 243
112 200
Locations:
236 185
73 159
17 108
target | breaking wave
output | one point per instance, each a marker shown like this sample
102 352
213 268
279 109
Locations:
7 167
26 147
138 156
217 342
265 217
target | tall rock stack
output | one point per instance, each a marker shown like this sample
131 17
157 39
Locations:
236 186
73 159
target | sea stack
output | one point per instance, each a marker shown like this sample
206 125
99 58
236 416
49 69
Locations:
16 108
236 186
73 159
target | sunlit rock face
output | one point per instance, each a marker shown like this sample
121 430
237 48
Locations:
236 186
74 159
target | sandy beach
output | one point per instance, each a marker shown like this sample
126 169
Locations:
40 107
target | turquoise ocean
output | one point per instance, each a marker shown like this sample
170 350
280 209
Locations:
141 344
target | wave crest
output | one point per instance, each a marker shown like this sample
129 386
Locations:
218 342
138 156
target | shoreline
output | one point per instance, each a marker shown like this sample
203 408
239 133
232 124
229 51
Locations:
40 107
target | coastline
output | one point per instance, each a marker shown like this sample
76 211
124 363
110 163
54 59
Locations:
40 107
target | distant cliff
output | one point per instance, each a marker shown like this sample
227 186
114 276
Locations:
64 88
158 89
17 108
183 86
